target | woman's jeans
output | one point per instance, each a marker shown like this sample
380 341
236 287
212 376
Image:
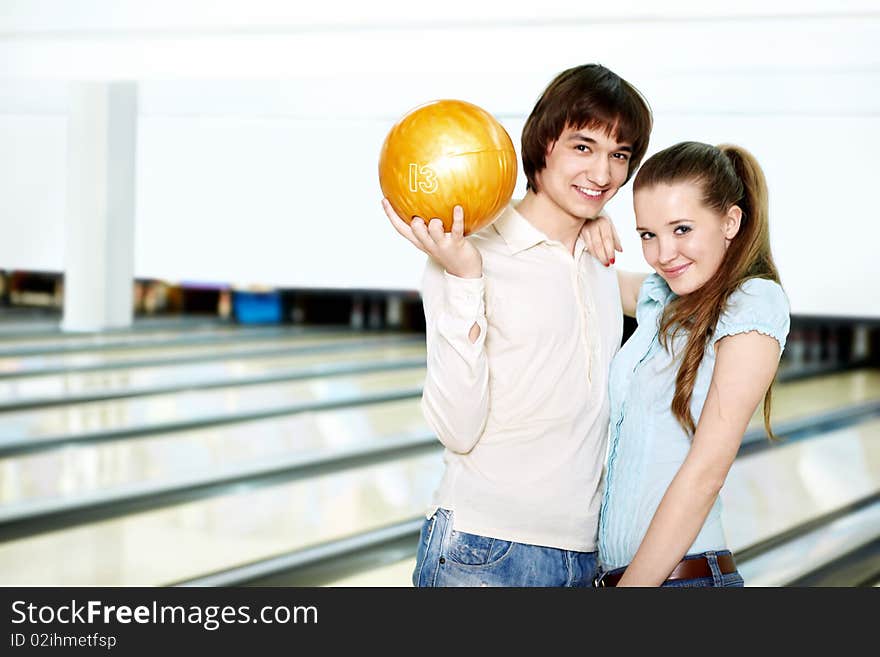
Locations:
451 558
718 579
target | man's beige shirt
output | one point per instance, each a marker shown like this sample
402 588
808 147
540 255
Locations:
523 411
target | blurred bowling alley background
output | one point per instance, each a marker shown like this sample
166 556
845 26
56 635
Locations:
211 339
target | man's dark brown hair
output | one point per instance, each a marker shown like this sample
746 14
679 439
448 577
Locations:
588 96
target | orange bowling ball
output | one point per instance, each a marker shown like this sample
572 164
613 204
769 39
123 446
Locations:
447 153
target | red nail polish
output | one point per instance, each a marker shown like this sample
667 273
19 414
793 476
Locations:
612 261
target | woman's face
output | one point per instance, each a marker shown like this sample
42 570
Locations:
682 239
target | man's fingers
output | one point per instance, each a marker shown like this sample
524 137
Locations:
435 230
421 232
390 213
458 222
401 226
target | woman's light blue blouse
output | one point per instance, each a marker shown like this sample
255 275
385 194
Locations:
646 443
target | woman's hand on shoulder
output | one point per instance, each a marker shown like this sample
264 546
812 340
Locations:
601 239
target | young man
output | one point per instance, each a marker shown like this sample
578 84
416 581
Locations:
522 324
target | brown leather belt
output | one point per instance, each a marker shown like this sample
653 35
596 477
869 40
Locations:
686 569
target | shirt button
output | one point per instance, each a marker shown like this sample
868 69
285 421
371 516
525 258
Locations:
442 560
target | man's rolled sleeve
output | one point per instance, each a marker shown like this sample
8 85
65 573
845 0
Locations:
455 400
464 308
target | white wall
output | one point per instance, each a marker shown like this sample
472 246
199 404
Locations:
260 124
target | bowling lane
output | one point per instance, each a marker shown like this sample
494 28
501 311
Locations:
141 380
398 574
143 337
156 354
188 409
18 330
188 540
21 326
791 400
242 441
775 490
796 399
80 472
89 468
765 494
811 553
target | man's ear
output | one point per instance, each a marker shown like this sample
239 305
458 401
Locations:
731 222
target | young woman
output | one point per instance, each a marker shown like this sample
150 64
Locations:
712 324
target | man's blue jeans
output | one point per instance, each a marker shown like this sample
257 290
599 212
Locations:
451 558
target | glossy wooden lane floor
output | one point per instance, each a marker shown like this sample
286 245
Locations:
190 539
89 468
197 538
768 492
189 407
137 336
78 471
139 380
11 366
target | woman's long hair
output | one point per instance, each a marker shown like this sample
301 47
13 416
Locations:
728 175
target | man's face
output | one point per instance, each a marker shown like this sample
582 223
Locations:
585 168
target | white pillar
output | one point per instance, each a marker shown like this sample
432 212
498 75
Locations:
99 230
